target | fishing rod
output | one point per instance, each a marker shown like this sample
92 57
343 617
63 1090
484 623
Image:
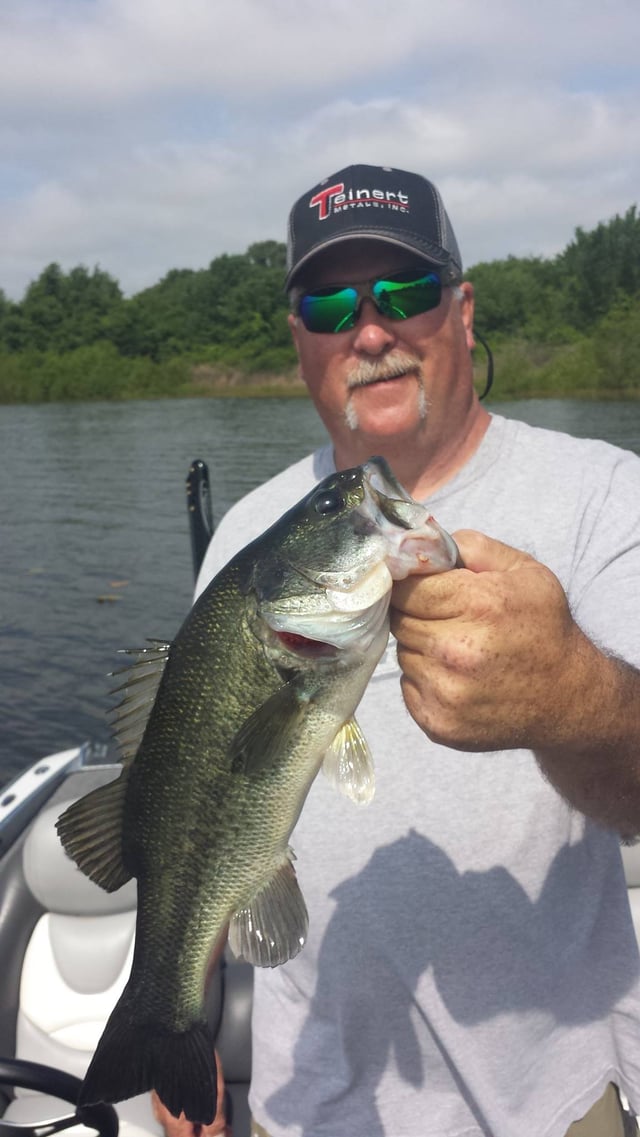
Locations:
200 512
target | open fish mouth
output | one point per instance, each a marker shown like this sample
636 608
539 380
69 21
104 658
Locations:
401 538
383 481
305 647
424 546
346 622
413 540
400 534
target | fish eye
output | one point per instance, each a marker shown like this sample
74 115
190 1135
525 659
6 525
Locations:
329 501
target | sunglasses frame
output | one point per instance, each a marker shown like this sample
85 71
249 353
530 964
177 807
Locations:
364 291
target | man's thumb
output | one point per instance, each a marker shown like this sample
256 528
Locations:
480 553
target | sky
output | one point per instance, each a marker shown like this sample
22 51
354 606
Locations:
145 135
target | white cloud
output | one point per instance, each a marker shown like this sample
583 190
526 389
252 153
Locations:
157 134
113 49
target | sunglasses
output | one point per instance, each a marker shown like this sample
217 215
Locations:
336 308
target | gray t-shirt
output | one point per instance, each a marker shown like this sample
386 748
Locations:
471 967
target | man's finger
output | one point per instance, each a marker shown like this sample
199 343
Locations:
483 554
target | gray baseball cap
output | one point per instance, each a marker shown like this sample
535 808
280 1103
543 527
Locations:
376 202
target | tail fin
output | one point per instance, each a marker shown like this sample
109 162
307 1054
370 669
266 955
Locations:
134 1057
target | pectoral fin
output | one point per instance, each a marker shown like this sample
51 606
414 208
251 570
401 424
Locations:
348 764
269 732
273 927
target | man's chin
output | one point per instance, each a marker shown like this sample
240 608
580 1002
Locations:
385 405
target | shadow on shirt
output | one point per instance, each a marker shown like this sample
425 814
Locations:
491 951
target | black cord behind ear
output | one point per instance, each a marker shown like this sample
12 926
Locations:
489 382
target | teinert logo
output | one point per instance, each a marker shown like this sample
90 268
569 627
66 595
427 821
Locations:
335 199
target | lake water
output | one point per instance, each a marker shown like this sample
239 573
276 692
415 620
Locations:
92 504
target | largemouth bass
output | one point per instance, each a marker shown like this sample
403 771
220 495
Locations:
256 692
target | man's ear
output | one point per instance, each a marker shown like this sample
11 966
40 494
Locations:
467 308
293 327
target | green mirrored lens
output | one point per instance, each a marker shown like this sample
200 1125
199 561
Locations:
399 299
329 310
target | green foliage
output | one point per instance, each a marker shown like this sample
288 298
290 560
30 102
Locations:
604 364
60 311
513 295
94 372
558 299
570 324
616 347
237 303
599 267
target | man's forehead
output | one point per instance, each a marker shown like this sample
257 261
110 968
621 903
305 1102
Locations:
357 259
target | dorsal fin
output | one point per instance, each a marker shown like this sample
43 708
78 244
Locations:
141 681
91 828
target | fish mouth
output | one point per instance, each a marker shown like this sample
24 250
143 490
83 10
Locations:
396 536
388 504
380 476
404 538
305 647
415 543
352 615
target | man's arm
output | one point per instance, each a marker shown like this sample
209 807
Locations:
492 659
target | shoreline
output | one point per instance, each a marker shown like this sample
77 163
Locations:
114 379
276 388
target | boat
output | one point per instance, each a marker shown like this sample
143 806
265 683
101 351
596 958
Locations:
66 948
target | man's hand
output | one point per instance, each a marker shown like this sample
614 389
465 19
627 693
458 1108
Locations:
484 649
180 1127
492 659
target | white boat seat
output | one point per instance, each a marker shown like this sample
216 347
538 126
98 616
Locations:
65 949
75 967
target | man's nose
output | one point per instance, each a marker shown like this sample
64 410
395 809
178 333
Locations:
374 332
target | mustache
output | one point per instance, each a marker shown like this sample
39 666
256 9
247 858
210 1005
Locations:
378 370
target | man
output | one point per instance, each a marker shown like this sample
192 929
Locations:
471 967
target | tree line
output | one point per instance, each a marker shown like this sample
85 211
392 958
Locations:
565 325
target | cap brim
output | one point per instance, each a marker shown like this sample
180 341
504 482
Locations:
432 254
